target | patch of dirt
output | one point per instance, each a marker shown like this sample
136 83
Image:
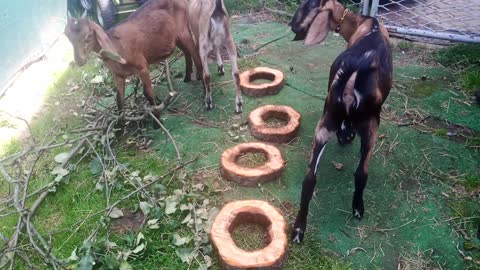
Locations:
131 221
415 261
461 192
426 123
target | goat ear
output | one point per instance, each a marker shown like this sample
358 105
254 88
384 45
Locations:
108 51
318 29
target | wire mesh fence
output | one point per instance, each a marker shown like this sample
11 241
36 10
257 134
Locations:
457 20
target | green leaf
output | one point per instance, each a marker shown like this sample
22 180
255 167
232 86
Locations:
109 244
111 262
62 157
125 266
97 80
171 205
179 241
157 212
187 218
86 263
185 254
153 224
59 170
140 237
139 248
152 221
145 207
96 166
73 256
86 246
116 213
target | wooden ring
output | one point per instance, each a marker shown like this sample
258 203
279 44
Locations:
250 211
245 176
283 134
252 89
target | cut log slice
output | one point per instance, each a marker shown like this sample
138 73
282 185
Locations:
281 134
250 88
273 256
246 176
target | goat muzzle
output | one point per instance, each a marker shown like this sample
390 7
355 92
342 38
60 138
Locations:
300 36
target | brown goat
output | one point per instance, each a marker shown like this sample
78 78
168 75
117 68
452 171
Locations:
209 22
360 80
149 35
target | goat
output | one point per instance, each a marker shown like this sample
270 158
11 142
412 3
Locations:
147 36
359 82
209 23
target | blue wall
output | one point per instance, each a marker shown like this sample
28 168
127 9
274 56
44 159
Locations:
27 28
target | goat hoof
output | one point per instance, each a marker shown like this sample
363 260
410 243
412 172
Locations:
208 106
221 70
187 78
239 108
358 214
297 236
358 211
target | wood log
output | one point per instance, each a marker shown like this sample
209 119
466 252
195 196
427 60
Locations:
283 134
273 256
245 176
250 88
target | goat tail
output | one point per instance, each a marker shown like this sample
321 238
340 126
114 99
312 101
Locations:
348 94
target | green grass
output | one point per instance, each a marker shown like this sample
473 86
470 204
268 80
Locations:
464 57
459 55
472 182
470 80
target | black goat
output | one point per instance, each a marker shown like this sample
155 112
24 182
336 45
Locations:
360 80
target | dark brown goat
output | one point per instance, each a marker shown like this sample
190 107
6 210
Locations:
149 35
360 80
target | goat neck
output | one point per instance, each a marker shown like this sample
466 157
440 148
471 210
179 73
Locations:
353 25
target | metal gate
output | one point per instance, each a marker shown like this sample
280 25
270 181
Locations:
453 20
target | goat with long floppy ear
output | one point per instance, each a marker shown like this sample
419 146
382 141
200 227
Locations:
148 36
85 35
360 80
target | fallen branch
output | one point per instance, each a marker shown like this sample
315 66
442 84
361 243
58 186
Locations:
169 135
271 41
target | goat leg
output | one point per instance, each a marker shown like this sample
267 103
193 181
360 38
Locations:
188 61
220 69
368 134
206 74
120 84
232 54
148 90
187 45
324 131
